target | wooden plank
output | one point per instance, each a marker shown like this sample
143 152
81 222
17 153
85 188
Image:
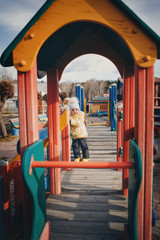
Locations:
98 187
80 214
87 227
90 177
114 210
103 152
74 236
75 197
97 144
112 199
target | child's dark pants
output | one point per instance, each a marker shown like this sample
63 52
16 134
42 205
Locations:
76 144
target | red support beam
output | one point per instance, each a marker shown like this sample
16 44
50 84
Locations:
132 106
139 133
128 118
32 106
54 128
126 102
22 111
29 132
149 153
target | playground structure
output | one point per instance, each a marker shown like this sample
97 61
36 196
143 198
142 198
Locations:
108 28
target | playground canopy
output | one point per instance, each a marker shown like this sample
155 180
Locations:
60 31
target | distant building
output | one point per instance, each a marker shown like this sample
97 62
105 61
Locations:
98 104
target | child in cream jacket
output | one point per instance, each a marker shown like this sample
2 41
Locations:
78 131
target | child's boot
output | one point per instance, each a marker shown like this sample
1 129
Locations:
77 159
85 160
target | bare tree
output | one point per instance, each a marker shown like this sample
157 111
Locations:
62 96
91 87
45 98
6 92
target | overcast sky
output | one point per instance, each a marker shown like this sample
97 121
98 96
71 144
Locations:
15 14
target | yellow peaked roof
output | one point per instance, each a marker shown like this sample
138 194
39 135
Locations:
64 29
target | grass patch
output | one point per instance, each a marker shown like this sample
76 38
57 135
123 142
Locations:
9 138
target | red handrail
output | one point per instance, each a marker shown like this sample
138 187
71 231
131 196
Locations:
54 164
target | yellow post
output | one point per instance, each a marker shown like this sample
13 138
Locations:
85 110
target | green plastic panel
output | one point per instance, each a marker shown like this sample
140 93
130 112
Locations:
36 186
134 183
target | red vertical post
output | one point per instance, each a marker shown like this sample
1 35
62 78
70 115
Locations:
32 106
149 153
128 119
139 133
29 132
54 128
132 107
126 94
22 111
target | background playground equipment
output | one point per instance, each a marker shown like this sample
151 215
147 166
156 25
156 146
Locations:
15 123
80 96
110 105
113 107
87 26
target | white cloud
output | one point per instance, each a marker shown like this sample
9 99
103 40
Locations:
14 16
147 10
91 66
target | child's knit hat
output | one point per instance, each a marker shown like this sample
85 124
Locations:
73 103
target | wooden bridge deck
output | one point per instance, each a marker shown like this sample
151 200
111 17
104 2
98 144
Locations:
91 206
